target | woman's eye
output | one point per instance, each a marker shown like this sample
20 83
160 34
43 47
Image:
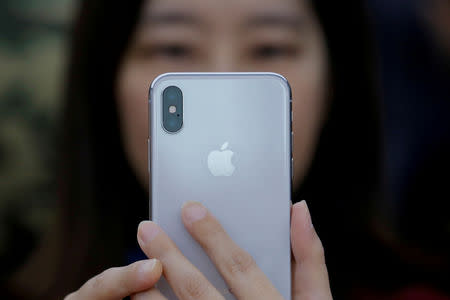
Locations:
173 51
165 51
273 51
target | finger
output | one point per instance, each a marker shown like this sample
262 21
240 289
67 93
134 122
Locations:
152 294
186 280
117 283
243 276
310 276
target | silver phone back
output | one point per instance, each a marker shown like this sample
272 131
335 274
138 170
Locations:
250 115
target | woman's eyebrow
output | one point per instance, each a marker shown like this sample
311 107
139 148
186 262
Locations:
291 21
171 18
288 20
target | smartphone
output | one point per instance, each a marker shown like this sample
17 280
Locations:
225 140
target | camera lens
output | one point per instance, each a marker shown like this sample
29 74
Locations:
172 93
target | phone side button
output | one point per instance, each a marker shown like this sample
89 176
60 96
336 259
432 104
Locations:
292 142
148 155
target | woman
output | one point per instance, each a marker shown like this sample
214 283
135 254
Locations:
320 46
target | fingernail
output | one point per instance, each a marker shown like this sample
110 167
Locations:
192 212
147 232
307 215
147 266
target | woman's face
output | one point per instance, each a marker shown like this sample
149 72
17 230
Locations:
280 36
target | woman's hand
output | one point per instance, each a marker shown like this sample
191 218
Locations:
118 283
237 267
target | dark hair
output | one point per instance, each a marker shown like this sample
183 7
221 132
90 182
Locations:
97 183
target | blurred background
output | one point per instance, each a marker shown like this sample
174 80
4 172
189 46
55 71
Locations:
413 47
33 38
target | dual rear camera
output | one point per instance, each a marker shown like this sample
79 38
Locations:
172 109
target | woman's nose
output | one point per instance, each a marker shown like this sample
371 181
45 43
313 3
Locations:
223 58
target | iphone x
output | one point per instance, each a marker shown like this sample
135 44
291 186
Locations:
224 139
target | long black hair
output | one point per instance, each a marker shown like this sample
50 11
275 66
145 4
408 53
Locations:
101 200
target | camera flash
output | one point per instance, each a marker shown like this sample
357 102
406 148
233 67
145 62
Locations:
172 109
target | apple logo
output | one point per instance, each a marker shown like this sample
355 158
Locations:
219 162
